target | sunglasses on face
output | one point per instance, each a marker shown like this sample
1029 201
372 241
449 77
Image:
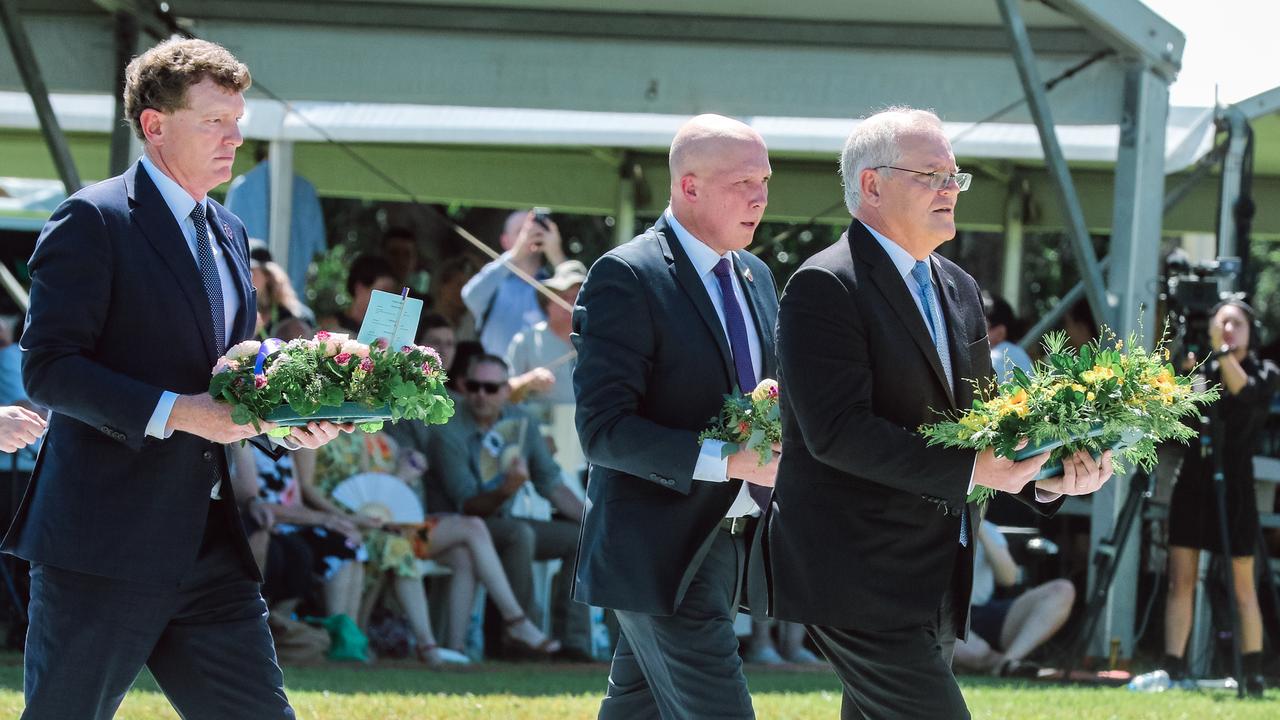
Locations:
488 388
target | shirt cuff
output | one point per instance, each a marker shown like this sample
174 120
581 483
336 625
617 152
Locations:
160 416
1044 496
711 466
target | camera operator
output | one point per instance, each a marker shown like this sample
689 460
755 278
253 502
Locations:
1247 384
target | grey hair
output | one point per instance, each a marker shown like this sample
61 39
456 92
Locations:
875 142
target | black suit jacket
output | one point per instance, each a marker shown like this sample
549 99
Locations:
864 528
653 368
118 315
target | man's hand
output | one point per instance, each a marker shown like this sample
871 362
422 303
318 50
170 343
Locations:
745 465
538 379
534 241
517 474
202 416
19 427
1004 474
1081 475
315 433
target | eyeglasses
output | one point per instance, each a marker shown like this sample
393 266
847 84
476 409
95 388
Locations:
488 388
937 179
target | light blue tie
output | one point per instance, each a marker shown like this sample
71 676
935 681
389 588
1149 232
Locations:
933 318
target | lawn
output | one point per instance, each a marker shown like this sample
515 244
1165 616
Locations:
394 691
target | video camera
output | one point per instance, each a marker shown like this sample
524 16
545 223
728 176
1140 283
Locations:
1192 289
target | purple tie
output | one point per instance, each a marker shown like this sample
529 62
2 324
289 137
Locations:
741 349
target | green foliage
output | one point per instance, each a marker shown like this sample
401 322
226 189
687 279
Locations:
1088 400
329 371
749 421
327 282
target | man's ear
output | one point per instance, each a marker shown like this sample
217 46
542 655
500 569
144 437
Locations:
689 187
869 187
152 122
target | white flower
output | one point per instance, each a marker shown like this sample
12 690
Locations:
358 349
248 348
332 342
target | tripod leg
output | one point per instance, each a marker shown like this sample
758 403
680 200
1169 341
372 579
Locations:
1107 559
1220 488
1271 614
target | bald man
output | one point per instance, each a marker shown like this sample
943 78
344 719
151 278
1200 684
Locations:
501 302
665 326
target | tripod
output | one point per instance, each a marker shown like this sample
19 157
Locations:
1211 447
1105 559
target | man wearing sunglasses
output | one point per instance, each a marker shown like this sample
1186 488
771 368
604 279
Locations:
665 327
870 539
479 437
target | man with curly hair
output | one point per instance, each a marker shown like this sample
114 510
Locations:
139 284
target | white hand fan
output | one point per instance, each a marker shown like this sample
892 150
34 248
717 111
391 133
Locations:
380 495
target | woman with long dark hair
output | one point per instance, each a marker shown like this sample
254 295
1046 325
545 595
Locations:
1247 384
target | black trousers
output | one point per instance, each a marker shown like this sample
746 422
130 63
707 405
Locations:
205 640
900 673
685 666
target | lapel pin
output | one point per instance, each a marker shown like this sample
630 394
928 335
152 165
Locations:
226 228
746 273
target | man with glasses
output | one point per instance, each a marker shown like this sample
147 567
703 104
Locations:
870 538
479 462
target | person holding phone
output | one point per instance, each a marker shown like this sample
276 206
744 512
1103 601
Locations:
504 304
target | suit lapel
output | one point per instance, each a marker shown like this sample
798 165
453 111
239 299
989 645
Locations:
687 277
152 216
952 311
758 301
885 276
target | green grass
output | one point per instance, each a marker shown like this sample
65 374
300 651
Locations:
394 691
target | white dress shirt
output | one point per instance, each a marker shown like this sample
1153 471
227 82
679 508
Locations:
711 467
181 204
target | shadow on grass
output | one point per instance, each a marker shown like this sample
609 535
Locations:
515 679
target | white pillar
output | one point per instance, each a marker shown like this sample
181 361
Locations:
280 166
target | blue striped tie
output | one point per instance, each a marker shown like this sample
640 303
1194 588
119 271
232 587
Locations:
934 317
210 278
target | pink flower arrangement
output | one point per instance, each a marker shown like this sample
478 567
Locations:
330 376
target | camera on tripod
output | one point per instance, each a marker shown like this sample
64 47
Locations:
1191 290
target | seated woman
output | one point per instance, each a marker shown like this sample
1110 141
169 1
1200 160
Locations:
281 517
1003 632
460 542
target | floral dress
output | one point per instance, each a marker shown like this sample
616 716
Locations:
358 452
278 485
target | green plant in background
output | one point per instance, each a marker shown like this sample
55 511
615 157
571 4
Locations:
327 282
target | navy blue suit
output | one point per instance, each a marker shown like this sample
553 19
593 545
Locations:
654 365
124 539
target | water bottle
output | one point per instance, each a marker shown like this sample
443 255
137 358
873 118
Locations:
1154 681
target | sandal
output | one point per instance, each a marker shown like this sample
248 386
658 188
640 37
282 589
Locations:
428 655
546 648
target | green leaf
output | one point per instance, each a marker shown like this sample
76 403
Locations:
1021 378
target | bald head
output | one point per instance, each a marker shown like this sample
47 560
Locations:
719 175
706 140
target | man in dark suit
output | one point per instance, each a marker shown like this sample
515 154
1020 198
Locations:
666 325
138 557
868 538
